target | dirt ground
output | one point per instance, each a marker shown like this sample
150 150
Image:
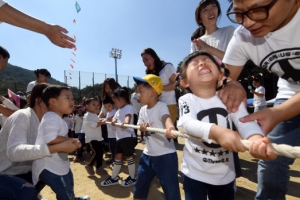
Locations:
90 185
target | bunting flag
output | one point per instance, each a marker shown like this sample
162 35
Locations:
78 9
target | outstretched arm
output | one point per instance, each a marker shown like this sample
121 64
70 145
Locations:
54 33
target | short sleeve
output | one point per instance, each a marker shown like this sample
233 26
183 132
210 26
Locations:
141 115
51 126
193 48
234 55
170 70
163 110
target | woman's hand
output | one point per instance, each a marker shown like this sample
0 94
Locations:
267 119
232 95
201 45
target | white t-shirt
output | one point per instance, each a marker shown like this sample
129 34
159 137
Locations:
218 39
30 86
278 52
111 130
17 144
168 97
69 121
92 132
257 101
210 163
156 143
52 125
83 119
134 100
120 116
78 123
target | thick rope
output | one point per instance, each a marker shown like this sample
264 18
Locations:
279 149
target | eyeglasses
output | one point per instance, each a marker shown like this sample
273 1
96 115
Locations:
255 14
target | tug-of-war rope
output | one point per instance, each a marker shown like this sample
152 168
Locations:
279 149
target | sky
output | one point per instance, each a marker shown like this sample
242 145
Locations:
129 25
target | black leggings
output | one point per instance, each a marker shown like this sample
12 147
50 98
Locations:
97 149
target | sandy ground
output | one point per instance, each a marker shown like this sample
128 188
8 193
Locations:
90 185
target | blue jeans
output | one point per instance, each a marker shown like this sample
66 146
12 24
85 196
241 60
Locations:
81 138
273 176
63 186
165 168
197 190
17 188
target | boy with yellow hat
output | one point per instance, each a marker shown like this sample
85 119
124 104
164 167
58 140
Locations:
159 157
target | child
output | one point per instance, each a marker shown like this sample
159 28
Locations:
78 119
111 130
208 169
126 139
159 157
93 136
55 170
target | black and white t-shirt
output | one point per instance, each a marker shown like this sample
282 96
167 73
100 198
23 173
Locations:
278 52
204 161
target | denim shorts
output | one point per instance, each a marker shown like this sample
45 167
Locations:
165 168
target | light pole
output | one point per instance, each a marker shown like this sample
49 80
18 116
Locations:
116 54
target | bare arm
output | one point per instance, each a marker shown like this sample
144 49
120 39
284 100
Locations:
69 145
167 121
201 45
55 34
171 85
260 95
59 139
6 111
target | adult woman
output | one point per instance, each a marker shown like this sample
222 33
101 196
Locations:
18 149
42 76
108 87
211 38
167 73
271 41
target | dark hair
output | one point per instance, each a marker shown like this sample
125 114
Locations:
256 79
107 99
89 100
158 63
202 4
187 60
196 34
146 85
52 91
37 93
112 84
121 92
44 72
4 52
23 102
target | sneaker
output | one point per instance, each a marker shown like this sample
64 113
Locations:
110 181
82 198
128 182
101 171
90 169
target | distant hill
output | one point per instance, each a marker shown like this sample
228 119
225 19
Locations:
17 78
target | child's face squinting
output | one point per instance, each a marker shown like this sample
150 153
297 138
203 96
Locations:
108 107
202 70
209 15
280 14
93 106
64 102
119 102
